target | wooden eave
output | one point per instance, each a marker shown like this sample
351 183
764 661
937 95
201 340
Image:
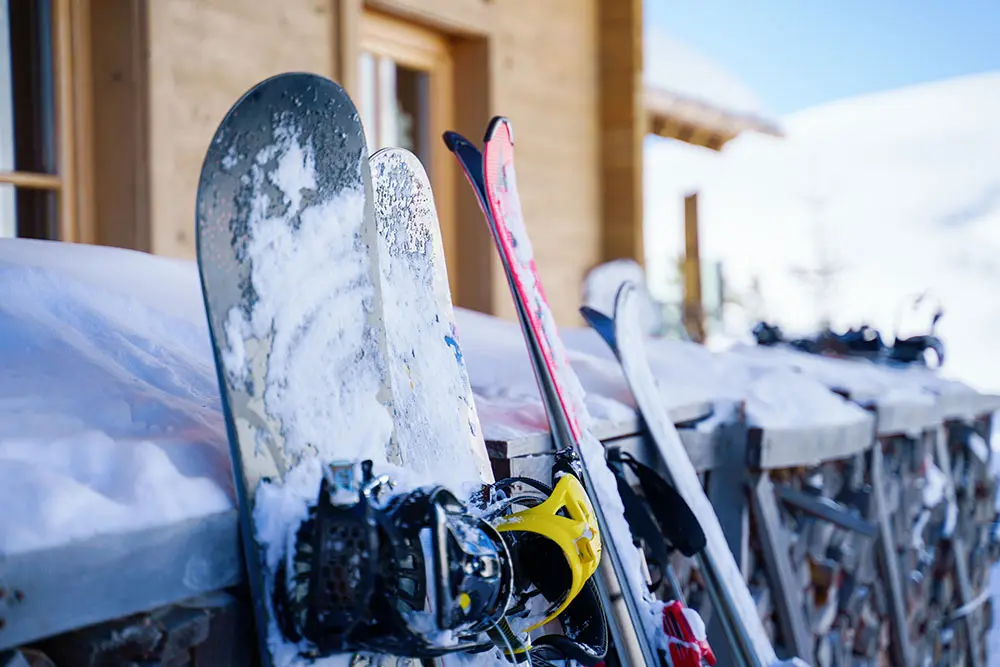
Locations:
673 116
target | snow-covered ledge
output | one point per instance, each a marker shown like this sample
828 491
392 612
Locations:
115 480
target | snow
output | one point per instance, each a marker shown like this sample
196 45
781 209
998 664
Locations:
109 407
896 193
436 418
600 286
109 348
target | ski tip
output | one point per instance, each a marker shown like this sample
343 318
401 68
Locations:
497 125
454 141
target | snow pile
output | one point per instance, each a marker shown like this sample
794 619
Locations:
109 406
687 374
109 409
892 194
601 284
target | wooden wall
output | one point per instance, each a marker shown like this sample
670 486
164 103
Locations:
539 63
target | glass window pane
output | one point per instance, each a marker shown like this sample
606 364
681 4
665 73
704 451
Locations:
367 100
28 213
387 130
394 106
36 214
8 211
32 84
6 103
412 117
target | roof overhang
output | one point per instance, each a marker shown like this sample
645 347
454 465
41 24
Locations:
676 117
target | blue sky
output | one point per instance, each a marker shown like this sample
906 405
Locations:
798 53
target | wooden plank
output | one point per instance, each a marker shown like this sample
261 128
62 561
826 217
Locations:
540 442
888 559
83 112
28 179
774 448
693 315
622 127
785 588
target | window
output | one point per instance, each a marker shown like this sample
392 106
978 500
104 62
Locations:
405 100
37 139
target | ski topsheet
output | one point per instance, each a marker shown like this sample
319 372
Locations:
620 577
284 221
726 586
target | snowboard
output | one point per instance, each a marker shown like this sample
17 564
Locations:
726 586
284 223
434 411
635 618
343 386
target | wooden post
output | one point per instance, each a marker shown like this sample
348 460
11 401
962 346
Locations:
694 321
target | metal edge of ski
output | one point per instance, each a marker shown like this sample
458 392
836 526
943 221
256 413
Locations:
633 644
725 583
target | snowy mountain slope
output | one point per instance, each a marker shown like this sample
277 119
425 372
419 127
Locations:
898 192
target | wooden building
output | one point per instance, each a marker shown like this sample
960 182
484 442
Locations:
114 101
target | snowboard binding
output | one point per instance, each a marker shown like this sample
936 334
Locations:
420 574
356 572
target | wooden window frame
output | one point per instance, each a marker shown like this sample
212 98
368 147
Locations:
423 49
72 182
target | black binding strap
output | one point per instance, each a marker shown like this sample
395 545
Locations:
586 638
679 526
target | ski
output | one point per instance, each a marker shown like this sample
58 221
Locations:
638 623
724 582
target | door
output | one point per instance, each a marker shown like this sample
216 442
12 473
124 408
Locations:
405 99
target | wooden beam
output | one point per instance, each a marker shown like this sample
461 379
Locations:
346 16
31 180
83 112
62 38
623 127
694 320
